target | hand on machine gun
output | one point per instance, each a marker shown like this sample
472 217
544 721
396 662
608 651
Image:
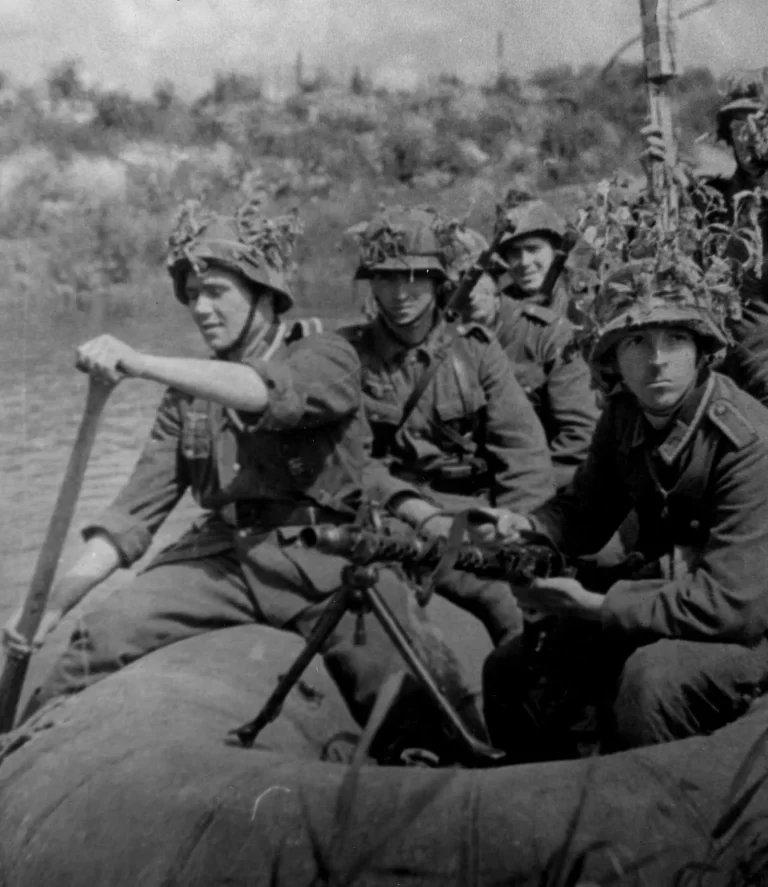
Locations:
551 593
519 561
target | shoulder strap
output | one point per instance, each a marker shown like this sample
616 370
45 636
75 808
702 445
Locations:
450 334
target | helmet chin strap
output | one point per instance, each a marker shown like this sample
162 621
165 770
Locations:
241 341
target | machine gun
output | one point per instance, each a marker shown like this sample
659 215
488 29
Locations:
519 563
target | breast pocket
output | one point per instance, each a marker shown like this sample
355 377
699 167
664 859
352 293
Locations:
196 436
458 398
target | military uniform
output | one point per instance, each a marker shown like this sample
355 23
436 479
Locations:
560 302
473 436
535 217
473 397
538 342
260 478
682 647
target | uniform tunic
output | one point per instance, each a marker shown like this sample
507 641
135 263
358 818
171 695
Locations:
538 342
307 449
682 647
700 493
501 454
473 396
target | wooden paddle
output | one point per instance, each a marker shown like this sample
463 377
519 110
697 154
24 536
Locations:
658 21
15 668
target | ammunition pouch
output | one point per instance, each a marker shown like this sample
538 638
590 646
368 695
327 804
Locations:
466 476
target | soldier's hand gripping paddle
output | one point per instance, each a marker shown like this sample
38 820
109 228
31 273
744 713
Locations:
658 23
15 668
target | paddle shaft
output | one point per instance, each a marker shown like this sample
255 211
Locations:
15 669
660 70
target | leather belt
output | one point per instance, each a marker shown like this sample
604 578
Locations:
269 514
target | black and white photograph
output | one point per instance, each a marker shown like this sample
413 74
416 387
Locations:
384 443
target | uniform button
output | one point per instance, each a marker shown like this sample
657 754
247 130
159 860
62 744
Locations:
236 467
242 533
695 524
720 409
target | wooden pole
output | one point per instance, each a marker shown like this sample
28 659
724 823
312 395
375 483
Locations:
658 26
15 668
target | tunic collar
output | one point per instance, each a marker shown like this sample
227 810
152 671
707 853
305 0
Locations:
684 426
391 350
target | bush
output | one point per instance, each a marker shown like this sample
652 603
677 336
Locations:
92 245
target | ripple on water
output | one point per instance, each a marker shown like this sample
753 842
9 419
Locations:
42 403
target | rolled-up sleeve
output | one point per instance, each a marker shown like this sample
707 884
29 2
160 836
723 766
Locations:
515 439
317 382
724 595
155 486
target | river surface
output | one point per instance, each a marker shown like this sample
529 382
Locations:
42 403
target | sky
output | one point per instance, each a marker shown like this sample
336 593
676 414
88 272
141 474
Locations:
133 44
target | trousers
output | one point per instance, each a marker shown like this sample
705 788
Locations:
580 688
171 602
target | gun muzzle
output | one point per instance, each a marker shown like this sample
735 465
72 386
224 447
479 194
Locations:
322 536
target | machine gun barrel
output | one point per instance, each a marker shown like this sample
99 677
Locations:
516 562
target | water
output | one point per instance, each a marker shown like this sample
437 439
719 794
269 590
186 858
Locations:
42 403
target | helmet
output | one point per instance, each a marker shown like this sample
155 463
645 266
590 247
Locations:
257 249
399 239
640 295
745 92
529 218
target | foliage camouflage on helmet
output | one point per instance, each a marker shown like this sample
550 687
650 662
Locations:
529 218
684 275
407 239
259 248
745 91
518 192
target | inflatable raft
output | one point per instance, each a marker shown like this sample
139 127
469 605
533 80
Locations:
134 783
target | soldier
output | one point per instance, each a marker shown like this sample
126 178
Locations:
533 237
680 648
268 438
741 124
539 343
471 434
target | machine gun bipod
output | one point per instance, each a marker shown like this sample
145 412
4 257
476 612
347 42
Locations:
519 563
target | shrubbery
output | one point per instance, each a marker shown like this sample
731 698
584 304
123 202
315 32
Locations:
95 176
